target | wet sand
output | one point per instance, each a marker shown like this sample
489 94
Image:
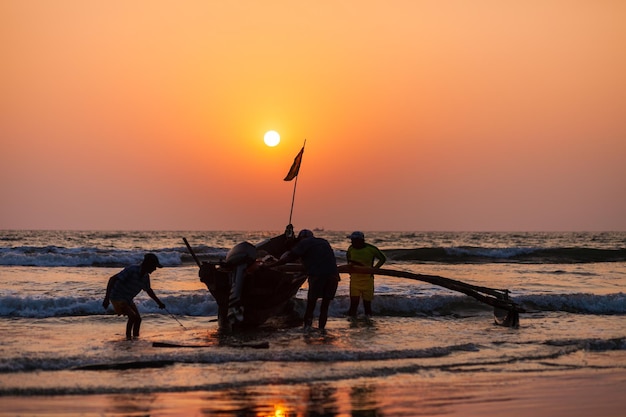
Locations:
572 394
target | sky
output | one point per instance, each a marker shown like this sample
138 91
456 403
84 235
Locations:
418 115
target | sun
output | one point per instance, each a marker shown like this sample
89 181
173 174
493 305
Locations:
271 138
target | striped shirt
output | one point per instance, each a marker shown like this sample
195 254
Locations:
129 283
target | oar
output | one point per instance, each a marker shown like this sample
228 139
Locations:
193 254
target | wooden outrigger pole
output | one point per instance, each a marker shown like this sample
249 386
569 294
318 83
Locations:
506 311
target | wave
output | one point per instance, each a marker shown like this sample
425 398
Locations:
56 256
42 306
512 254
59 256
201 303
576 303
167 357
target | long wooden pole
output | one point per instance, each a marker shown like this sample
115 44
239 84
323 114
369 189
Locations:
193 254
495 297
293 198
295 184
499 298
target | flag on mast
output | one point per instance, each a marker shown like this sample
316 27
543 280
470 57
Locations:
295 167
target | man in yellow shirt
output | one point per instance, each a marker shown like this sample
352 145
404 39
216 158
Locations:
362 285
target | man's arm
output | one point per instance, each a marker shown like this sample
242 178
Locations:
155 298
381 258
285 258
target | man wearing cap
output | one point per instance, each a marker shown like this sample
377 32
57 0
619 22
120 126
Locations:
125 285
362 285
320 265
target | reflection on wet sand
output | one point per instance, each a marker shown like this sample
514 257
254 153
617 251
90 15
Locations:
363 401
319 399
131 404
322 400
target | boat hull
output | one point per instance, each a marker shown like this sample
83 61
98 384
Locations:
265 293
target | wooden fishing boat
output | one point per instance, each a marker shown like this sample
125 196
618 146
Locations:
249 294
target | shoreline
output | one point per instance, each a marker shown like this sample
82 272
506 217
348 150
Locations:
555 394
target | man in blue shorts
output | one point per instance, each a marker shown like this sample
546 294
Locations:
125 285
320 265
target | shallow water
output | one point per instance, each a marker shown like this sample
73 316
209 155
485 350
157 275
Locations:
427 348
52 358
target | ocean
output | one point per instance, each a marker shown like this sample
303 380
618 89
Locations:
427 350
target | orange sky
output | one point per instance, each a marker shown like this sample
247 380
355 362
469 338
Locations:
418 115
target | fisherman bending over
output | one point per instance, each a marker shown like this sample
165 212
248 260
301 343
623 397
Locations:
320 265
125 285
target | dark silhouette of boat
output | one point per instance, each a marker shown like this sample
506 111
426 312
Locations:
248 294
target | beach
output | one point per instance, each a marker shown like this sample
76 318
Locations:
574 394
426 351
